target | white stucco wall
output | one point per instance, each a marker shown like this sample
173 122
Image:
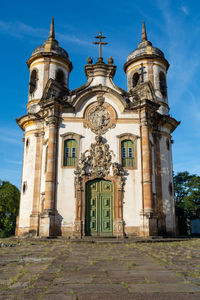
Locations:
65 188
38 65
26 202
166 171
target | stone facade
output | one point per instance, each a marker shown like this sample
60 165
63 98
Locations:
97 117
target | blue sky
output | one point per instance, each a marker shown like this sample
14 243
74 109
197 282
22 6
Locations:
173 26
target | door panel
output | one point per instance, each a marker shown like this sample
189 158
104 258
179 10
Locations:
106 216
93 214
99 208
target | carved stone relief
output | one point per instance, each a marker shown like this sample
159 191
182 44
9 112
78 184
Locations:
100 117
97 162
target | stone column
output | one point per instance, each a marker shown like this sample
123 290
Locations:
46 71
79 217
34 217
48 226
149 223
118 208
150 71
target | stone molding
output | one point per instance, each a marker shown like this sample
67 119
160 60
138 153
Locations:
66 136
98 164
100 69
134 138
117 97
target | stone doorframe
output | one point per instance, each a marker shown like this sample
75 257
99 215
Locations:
80 198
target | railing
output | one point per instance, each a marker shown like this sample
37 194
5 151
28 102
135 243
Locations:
70 161
128 162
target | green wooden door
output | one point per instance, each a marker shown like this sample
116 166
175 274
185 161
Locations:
99 208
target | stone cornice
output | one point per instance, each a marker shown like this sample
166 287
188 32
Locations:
169 122
148 57
50 55
81 88
97 90
26 120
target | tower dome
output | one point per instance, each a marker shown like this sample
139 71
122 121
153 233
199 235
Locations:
47 61
148 63
145 49
51 45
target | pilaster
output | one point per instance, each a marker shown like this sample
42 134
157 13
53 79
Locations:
148 217
34 217
48 219
118 223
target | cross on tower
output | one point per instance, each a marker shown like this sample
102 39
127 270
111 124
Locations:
142 72
100 43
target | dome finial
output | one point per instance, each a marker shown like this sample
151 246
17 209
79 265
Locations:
52 31
144 34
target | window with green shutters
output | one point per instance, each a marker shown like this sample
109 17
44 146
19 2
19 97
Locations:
127 153
70 152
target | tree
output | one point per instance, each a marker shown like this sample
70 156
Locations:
187 198
9 207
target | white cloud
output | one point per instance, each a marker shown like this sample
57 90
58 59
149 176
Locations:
20 30
185 10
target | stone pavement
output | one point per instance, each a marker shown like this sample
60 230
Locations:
63 269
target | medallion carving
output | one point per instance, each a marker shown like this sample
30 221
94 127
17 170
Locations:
100 117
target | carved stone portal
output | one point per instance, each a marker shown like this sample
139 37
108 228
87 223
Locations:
97 163
100 117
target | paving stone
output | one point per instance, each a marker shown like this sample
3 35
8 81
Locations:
60 269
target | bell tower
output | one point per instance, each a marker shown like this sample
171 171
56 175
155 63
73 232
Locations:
47 61
148 63
49 67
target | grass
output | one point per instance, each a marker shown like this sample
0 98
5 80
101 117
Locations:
77 268
93 262
124 284
92 277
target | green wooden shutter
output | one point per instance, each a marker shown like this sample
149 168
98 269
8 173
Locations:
127 153
70 152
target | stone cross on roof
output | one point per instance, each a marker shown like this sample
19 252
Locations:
100 43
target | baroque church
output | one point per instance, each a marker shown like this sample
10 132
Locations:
97 160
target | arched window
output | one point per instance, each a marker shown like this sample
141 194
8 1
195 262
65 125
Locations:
60 77
135 79
162 83
127 153
70 152
33 81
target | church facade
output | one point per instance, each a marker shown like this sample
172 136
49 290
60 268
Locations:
97 160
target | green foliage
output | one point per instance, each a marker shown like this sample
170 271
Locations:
9 207
187 199
187 192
